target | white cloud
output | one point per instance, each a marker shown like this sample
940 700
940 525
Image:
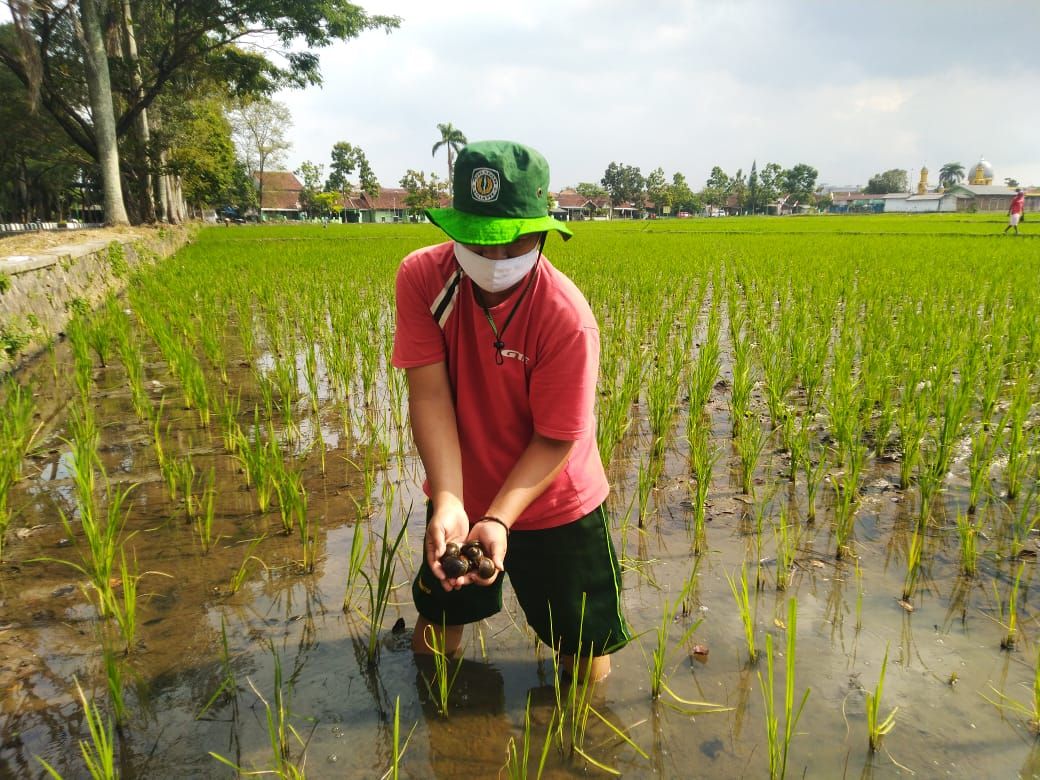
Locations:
852 90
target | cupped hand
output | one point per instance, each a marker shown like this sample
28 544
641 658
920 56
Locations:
494 539
448 524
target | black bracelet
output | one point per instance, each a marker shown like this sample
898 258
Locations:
490 519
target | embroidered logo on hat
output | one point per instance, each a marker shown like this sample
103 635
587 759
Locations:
484 185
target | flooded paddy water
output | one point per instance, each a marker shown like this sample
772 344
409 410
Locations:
252 369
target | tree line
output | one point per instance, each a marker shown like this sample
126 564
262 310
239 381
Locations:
131 100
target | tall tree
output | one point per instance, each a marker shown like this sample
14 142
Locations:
624 184
177 44
346 158
950 174
751 201
453 139
590 190
683 198
770 181
423 193
716 187
892 180
800 182
259 130
99 87
657 190
310 175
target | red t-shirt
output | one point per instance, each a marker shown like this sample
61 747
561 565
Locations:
546 382
1018 203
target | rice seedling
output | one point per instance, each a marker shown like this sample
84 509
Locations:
1009 617
396 747
746 609
99 754
878 727
743 382
859 595
1031 708
847 488
239 576
703 458
228 684
517 759
114 681
914 556
750 441
983 447
381 584
779 742
444 675
787 537
206 513
358 554
814 472
288 747
1016 448
16 437
649 474
1024 521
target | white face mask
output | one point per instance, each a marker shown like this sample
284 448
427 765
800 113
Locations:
495 275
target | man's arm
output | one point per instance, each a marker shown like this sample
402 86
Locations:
432 413
537 467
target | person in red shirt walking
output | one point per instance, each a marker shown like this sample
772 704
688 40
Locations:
1016 210
501 355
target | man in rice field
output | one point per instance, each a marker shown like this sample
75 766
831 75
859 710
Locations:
1016 211
501 353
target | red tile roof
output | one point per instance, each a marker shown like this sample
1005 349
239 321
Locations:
281 190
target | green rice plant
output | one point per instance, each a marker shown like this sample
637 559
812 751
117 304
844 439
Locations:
746 609
787 536
231 431
443 675
103 539
779 374
814 472
968 532
1009 617
878 727
1031 709
114 681
795 446
703 458
292 501
206 513
16 437
658 661
648 476
126 614
381 585
228 684
83 363
1024 521
886 415
130 357
750 441
282 736
847 488
396 748
239 576
983 447
743 382
913 421
574 705
358 554
914 556
706 368
99 754
779 742
516 766
1015 422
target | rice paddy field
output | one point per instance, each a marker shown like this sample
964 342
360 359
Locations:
822 439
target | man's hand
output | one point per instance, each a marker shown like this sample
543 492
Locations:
448 524
493 538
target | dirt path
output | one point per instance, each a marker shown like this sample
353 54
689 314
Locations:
40 241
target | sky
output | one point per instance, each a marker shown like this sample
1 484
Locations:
852 89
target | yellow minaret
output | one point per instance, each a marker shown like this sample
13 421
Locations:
922 186
982 173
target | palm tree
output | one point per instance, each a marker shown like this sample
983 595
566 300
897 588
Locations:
950 174
454 139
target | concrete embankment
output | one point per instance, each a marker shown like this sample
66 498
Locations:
41 289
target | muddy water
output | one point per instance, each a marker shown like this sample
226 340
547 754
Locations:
944 656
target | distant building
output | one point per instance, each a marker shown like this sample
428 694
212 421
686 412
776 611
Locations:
388 205
281 195
573 207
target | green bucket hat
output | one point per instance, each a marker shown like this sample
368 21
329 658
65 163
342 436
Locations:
501 192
